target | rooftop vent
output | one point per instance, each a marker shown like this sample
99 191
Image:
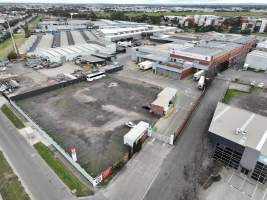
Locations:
240 131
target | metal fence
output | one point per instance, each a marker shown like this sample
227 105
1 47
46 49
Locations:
52 142
164 138
46 89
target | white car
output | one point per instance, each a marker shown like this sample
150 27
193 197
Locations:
130 124
253 83
261 85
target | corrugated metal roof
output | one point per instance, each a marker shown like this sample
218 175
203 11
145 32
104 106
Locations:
228 119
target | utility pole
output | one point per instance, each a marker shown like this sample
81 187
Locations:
12 38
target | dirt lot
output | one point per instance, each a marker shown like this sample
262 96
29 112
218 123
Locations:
91 117
28 78
254 101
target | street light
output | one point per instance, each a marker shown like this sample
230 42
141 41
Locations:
12 38
71 14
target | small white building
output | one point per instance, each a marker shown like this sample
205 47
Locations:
136 133
256 60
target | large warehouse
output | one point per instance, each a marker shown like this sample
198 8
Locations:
239 138
209 54
202 52
68 53
135 32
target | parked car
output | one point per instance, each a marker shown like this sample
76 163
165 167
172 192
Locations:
147 107
130 124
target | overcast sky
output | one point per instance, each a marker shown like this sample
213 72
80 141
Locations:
140 1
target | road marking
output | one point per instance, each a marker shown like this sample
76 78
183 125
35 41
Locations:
230 178
262 141
247 122
264 194
253 193
221 113
149 186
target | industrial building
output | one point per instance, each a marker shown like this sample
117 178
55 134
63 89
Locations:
262 46
160 53
256 60
164 99
239 140
51 25
68 53
209 54
189 53
122 33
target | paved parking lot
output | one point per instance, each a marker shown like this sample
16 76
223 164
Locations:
235 186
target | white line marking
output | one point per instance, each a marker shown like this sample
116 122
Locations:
265 192
248 121
262 141
148 188
230 178
253 193
221 113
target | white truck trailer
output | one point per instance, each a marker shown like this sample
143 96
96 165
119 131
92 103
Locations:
201 82
198 74
146 65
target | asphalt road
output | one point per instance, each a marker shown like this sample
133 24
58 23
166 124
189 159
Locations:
38 179
172 182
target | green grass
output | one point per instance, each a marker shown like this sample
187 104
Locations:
63 172
10 186
230 94
12 117
6 47
33 23
260 34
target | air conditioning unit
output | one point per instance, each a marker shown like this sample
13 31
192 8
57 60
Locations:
240 131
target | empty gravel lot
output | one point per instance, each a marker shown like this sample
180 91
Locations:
91 117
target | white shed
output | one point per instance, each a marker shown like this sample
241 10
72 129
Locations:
256 60
135 133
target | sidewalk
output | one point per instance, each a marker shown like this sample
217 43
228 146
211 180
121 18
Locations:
183 105
134 181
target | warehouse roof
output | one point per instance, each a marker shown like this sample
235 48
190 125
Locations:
204 51
168 92
164 97
258 53
221 45
252 127
92 59
262 45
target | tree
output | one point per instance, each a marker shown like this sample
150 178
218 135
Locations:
12 55
155 19
246 31
26 30
117 15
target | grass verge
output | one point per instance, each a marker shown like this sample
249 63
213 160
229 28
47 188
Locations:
12 117
6 47
230 94
74 184
33 23
10 186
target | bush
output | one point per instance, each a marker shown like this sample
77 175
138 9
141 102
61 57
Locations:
118 165
12 56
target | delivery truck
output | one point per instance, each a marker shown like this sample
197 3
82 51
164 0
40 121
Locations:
198 74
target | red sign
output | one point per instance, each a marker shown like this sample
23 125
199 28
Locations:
106 173
72 150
